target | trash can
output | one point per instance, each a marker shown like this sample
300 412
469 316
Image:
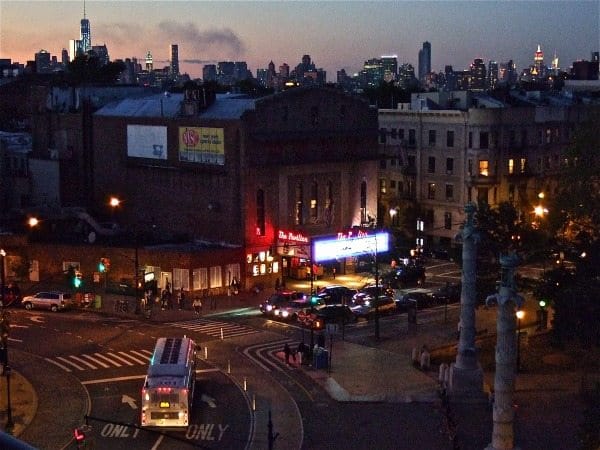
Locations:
98 301
321 359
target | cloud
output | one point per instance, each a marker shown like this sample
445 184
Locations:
199 61
214 40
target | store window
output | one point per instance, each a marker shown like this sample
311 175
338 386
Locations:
216 277
181 279
200 278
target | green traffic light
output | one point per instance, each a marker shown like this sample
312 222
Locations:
314 300
77 282
101 267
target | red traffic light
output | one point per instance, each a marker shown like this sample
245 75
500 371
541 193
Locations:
78 435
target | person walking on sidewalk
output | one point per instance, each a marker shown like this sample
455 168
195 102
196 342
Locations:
181 299
197 305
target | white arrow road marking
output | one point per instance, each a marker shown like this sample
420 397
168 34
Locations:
14 325
208 400
38 319
130 401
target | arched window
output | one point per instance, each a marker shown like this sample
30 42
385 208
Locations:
260 212
363 202
299 194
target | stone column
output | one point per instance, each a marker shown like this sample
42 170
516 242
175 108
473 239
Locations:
466 375
506 356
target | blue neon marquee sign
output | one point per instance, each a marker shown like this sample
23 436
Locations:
342 247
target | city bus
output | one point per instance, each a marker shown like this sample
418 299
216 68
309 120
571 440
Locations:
168 391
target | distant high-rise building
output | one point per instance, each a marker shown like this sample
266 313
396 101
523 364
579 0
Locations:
42 62
492 75
101 52
390 67
85 33
174 68
538 70
477 75
149 63
507 73
209 73
65 57
74 49
406 76
240 71
424 61
284 71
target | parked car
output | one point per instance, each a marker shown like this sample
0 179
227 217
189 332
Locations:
54 301
405 298
450 293
336 294
369 306
279 298
404 275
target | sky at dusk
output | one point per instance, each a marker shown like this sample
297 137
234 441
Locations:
336 34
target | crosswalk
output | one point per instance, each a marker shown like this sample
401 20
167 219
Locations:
215 328
96 361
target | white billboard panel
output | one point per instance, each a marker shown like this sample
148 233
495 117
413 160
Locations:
145 141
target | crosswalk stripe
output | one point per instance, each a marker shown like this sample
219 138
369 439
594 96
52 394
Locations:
146 358
58 364
215 328
91 358
70 363
101 356
82 361
124 361
125 355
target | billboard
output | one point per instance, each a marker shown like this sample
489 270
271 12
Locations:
343 247
145 141
201 145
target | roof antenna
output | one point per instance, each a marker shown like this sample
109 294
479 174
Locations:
84 9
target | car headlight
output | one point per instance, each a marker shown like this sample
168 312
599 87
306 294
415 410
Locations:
284 313
367 302
269 307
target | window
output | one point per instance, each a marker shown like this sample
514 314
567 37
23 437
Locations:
431 191
431 164
470 139
298 216
200 278
412 138
216 278
429 218
181 279
382 186
260 212
392 184
394 133
484 138
482 195
448 221
400 187
484 167
470 167
511 193
432 138
314 204
522 165
363 202
449 165
450 138
232 271
469 194
412 161
548 135
511 166
400 133
450 192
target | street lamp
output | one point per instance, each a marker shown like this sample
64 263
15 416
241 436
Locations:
4 339
520 315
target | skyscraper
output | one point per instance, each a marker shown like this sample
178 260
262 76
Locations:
424 61
174 61
85 33
477 75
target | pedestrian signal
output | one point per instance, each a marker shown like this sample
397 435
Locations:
79 435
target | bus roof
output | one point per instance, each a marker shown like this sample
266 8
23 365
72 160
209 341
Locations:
171 357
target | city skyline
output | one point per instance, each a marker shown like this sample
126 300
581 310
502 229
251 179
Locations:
337 35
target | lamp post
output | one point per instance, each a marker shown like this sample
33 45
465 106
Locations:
4 340
520 315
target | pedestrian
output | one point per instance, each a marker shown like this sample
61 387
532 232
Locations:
287 352
300 352
181 299
163 299
197 305
334 270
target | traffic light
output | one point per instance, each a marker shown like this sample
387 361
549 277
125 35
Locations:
104 265
77 279
314 300
79 436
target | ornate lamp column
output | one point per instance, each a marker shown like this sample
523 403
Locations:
466 375
506 355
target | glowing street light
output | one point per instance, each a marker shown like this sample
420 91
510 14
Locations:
520 315
114 202
33 222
